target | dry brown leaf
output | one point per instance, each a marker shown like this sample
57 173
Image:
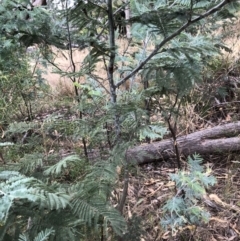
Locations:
129 212
151 190
213 239
152 181
228 118
138 203
170 184
166 235
218 220
232 238
1 158
3 133
118 169
150 195
216 199
232 226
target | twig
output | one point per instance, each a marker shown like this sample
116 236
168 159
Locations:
125 187
110 68
173 130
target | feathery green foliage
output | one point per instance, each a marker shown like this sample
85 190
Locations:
71 198
15 187
58 167
184 207
42 236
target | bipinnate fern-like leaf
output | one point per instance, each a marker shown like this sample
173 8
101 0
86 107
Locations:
51 197
19 187
152 132
42 236
4 175
174 205
57 200
179 66
91 211
15 187
6 144
23 237
21 127
90 197
58 167
184 209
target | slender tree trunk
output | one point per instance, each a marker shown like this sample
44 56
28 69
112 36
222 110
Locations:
110 73
110 70
127 17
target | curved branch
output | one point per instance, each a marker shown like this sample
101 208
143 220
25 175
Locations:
167 39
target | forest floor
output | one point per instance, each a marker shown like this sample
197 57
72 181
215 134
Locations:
150 185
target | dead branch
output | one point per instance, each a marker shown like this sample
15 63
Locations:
219 139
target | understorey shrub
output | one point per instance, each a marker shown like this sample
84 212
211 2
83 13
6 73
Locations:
185 208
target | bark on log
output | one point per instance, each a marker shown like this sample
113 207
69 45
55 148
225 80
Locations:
219 139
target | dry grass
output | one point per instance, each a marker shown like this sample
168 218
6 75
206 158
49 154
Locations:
62 84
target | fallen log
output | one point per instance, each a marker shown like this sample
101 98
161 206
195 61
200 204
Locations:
219 139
